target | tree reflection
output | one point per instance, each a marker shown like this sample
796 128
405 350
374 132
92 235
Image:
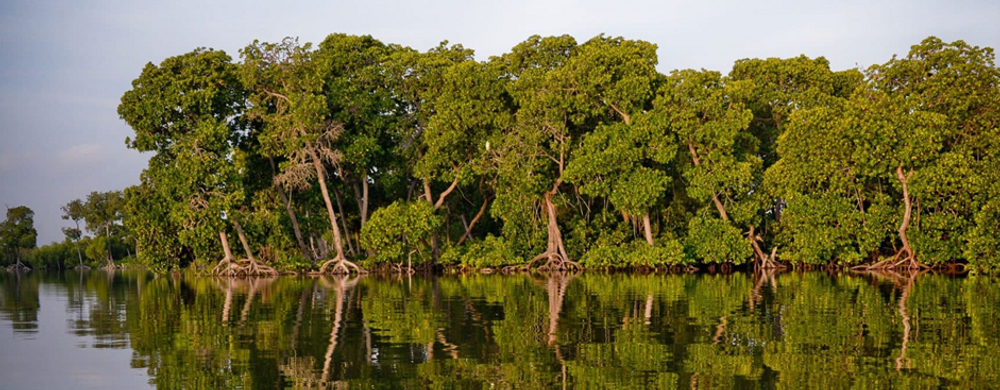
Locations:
545 331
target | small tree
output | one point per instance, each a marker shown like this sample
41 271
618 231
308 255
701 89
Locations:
17 233
74 211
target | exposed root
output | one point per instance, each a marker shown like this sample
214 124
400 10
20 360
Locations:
340 266
243 267
19 267
554 262
255 268
903 260
111 266
402 269
227 267
764 261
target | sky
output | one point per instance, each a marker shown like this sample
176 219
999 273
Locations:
65 64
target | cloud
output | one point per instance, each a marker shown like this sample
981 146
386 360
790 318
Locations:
86 153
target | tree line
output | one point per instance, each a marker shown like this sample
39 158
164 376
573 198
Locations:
357 154
101 215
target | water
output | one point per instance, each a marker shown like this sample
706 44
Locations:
131 330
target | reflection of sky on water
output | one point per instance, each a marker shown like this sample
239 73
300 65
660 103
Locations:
54 356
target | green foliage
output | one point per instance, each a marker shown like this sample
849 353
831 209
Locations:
57 255
712 240
636 254
17 233
490 252
97 249
156 234
983 248
400 230
804 159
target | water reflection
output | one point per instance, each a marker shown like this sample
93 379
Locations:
19 302
586 331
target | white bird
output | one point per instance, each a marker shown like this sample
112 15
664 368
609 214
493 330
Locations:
487 146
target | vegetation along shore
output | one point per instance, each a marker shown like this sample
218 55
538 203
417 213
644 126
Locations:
356 155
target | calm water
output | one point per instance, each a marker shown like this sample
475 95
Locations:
131 330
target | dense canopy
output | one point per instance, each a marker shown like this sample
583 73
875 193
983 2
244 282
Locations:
357 154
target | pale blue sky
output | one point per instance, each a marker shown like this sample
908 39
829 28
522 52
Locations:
65 64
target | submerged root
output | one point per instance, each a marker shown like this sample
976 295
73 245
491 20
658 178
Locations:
340 266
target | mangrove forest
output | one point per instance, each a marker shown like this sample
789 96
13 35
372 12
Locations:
356 155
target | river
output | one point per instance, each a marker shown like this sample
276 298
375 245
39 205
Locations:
130 329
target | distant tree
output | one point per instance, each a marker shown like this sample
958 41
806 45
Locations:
103 214
74 211
17 233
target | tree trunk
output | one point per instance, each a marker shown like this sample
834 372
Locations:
468 229
295 224
647 228
111 257
78 253
243 238
340 262
225 245
321 175
364 201
226 266
435 243
557 259
427 191
343 222
906 252
253 268
763 259
286 200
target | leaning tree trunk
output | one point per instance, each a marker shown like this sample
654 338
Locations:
647 228
228 265
295 224
285 199
343 222
340 263
763 260
253 268
468 229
